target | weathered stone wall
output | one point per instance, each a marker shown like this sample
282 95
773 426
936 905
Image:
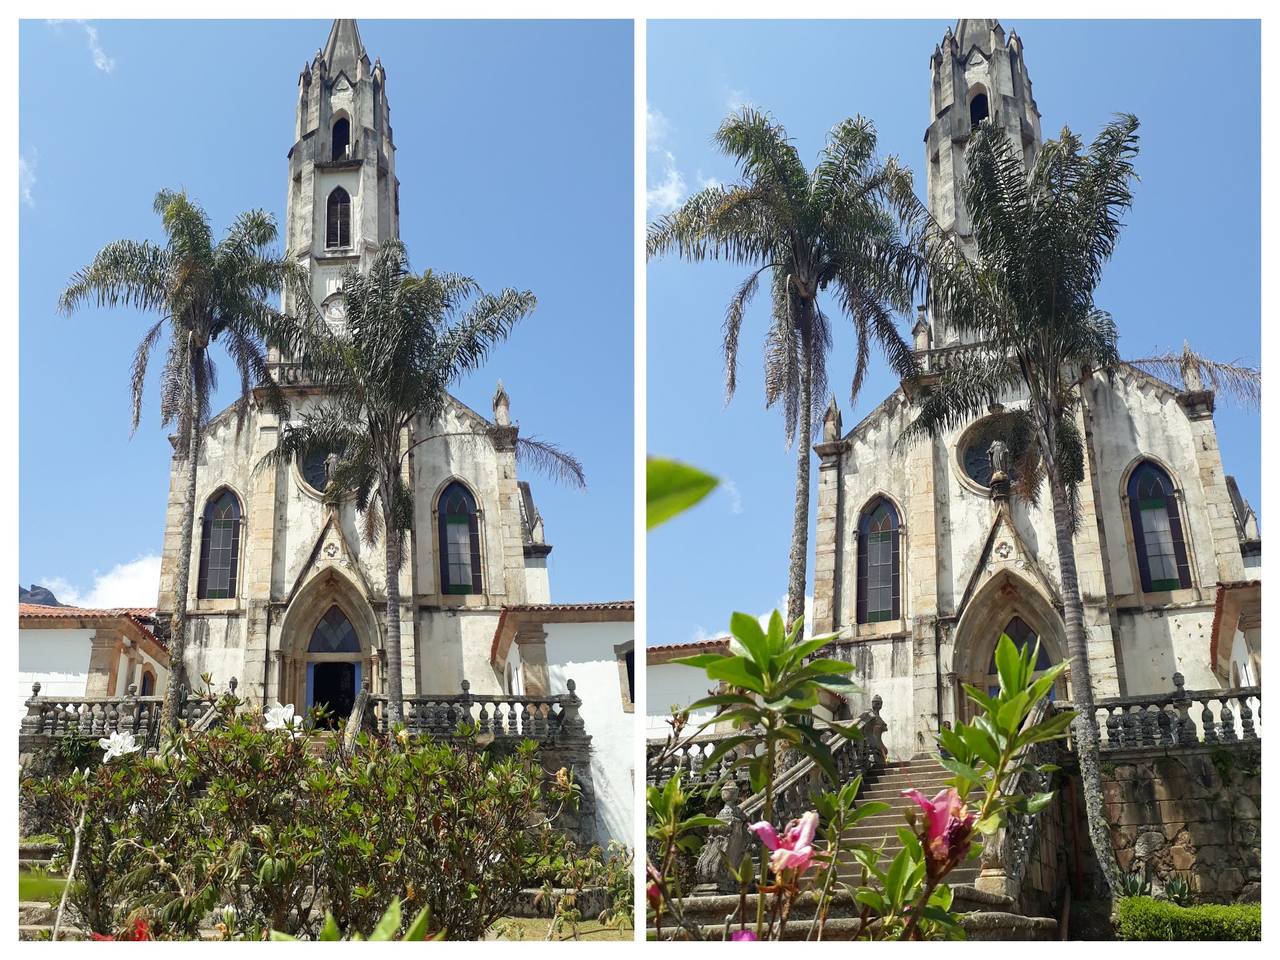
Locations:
1193 811
1049 864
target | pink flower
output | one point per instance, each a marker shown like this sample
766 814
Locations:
743 935
794 849
654 892
946 830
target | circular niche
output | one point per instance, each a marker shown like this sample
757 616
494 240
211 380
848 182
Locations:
972 451
311 467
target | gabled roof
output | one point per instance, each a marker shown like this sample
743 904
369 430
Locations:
665 653
137 621
516 615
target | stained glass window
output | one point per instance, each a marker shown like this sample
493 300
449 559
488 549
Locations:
219 548
879 580
1022 635
459 541
334 634
1157 530
338 226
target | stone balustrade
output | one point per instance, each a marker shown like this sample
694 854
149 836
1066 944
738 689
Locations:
1180 718
98 717
689 757
501 716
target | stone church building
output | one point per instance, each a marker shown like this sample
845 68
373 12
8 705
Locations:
284 594
922 561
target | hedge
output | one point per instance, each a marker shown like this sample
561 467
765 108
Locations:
1142 918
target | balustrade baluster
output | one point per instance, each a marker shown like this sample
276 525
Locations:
1246 720
1228 720
1113 729
1206 721
1165 722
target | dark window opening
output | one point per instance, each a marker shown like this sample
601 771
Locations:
978 110
219 548
1157 530
148 683
315 466
338 225
631 675
334 634
459 541
341 139
879 579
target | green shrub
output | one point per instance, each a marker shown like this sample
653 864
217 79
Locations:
1142 918
248 823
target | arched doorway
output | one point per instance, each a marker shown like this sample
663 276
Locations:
1010 605
334 661
329 645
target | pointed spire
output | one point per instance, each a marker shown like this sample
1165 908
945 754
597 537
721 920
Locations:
831 425
344 50
501 406
976 33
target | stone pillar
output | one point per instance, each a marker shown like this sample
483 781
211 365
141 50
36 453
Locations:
511 545
409 591
103 654
532 643
920 589
257 538
1229 565
1092 576
827 616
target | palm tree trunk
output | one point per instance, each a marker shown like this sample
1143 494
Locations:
395 688
800 522
182 576
1086 733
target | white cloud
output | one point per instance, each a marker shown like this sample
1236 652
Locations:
737 99
735 497
132 584
100 59
704 182
700 634
27 178
665 196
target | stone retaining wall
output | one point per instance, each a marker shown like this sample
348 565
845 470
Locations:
1193 811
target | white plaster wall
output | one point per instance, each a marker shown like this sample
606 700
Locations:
1132 419
1157 644
673 685
472 459
56 659
453 644
583 652
216 646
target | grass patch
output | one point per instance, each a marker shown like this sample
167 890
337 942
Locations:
39 886
535 928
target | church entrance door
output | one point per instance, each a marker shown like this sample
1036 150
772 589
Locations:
333 685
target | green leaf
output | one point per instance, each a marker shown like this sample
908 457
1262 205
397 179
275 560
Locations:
962 770
418 929
672 487
738 672
1038 802
330 929
1008 665
389 925
747 631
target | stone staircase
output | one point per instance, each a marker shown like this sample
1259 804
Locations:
983 915
885 784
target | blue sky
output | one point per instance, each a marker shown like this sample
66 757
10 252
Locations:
1187 266
515 156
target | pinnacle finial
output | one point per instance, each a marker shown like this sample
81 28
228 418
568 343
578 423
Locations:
501 406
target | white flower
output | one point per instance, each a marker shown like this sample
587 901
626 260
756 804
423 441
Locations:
117 745
282 718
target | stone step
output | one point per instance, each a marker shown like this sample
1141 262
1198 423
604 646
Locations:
986 925
713 909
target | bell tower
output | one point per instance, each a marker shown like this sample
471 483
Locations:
976 73
344 198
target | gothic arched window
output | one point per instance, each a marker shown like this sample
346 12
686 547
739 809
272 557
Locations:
219 547
459 541
1022 636
1157 530
978 109
341 139
148 688
879 579
334 634
338 223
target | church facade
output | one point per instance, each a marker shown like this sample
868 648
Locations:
284 595
922 560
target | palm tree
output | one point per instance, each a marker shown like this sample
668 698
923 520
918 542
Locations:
204 292
1026 304
407 339
831 228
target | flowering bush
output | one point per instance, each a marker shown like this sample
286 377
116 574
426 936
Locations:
247 824
770 687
